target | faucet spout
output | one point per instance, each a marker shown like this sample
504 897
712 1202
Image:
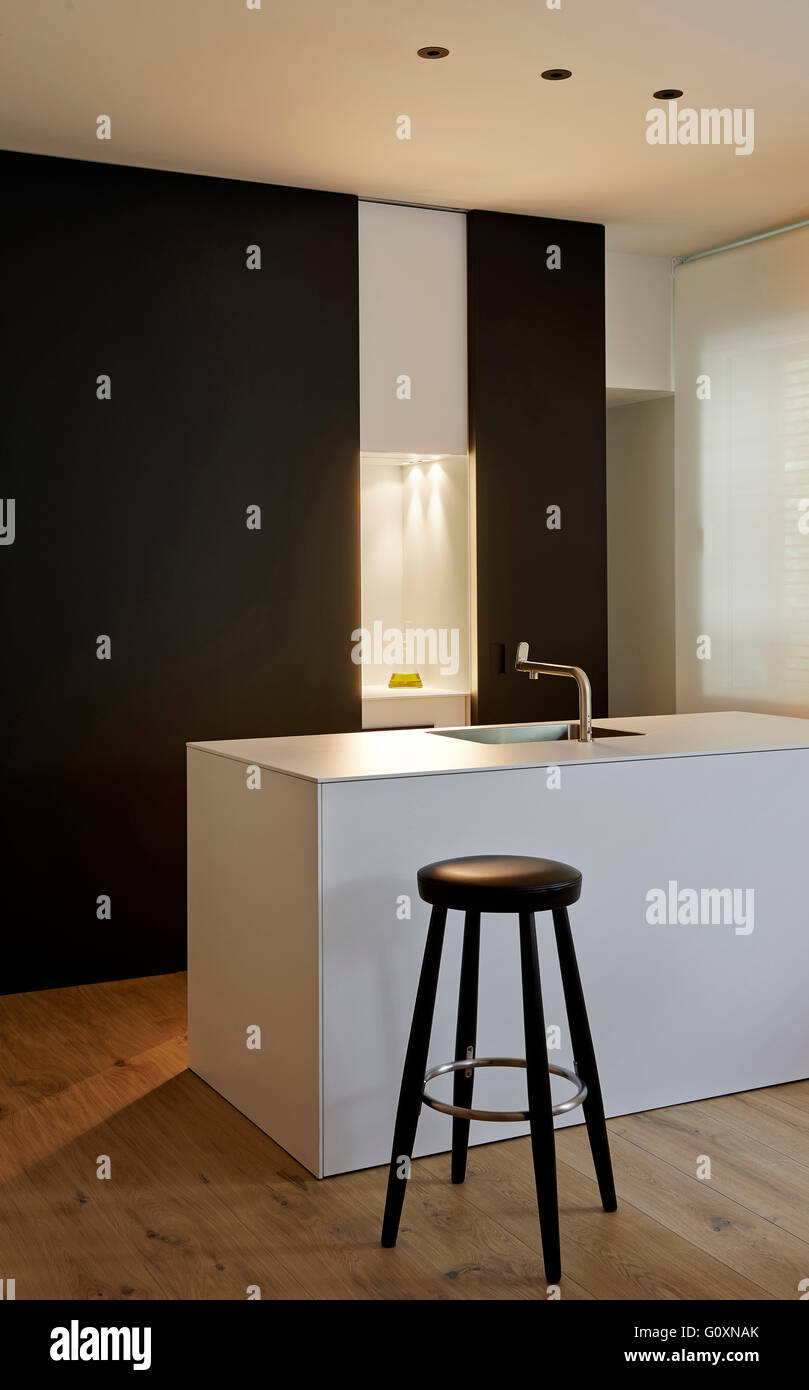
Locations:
535 669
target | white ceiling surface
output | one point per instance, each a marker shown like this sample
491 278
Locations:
307 92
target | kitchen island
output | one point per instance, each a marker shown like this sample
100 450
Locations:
306 931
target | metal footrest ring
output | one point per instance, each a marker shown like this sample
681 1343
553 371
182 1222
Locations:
460 1113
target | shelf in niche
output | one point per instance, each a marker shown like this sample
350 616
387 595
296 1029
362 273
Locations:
432 692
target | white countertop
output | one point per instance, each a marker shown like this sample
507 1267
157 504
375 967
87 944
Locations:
419 752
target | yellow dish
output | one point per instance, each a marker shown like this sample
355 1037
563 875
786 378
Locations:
402 680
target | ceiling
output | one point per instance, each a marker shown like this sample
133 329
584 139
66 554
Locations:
307 92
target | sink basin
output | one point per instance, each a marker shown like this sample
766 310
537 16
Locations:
530 733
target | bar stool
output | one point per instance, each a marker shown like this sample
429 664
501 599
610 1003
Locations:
500 883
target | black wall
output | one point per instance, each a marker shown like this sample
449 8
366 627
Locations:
537 439
229 387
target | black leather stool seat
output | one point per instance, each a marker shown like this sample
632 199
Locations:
499 883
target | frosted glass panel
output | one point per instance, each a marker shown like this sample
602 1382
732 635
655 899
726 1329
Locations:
742 478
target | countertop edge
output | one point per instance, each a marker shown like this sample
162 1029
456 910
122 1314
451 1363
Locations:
626 757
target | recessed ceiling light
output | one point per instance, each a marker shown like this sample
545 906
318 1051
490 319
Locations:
433 51
556 74
667 94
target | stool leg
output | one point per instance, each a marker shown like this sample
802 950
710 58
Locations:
412 1089
465 1038
585 1058
539 1099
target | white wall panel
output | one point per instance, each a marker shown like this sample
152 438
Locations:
413 324
639 308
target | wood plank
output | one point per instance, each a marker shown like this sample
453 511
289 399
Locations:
202 1204
461 1239
769 1119
51 1039
327 1234
157 1209
624 1256
753 1175
701 1214
792 1093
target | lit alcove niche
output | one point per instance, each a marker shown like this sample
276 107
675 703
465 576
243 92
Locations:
415 588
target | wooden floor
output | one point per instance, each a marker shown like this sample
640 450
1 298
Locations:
200 1204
